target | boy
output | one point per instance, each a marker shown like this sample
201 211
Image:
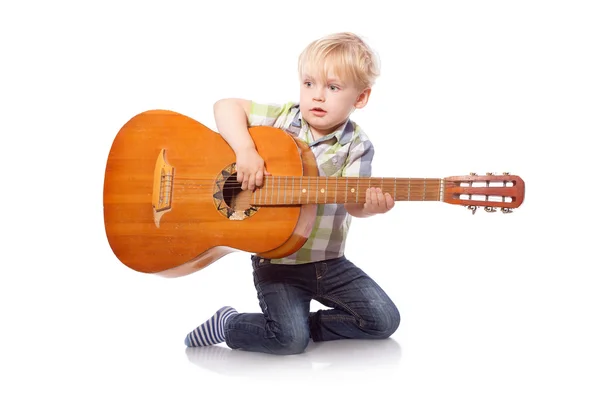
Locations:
336 75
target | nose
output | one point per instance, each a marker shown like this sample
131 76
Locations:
319 93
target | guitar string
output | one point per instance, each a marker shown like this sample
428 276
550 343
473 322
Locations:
312 185
417 185
434 189
417 190
431 192
426 188
375 182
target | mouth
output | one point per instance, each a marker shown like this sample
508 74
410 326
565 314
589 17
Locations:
318 111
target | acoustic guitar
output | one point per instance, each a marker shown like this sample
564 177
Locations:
172 203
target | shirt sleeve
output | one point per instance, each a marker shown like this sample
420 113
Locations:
359 159
276 115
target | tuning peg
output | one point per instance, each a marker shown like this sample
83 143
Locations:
490 209
472 174
506 210
473 208
505 173
489 173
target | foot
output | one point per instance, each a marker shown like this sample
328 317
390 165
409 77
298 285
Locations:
212 331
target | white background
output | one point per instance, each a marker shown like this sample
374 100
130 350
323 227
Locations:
493 306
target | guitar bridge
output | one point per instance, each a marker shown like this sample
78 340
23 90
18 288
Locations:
162 190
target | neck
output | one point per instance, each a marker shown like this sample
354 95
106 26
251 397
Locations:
282 190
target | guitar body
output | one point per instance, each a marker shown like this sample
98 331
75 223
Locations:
172 204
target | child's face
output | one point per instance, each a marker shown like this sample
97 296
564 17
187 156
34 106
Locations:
326 105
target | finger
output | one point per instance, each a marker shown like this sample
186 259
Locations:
368 196
380 197
389 201
374 200
240 176
374 205
251 183
259 177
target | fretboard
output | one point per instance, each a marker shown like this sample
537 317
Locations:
281 190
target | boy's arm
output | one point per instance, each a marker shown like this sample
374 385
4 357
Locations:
231 117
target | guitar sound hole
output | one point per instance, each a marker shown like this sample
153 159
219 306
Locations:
233 195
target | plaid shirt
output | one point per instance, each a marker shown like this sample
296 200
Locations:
348 155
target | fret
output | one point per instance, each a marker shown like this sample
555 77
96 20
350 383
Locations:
317 191
336 189
395 198
356 189
278 188
261 190
424 189
272 191
285 191
259 193
326 192
409 189
346 201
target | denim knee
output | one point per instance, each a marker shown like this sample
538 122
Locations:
288 344
383 321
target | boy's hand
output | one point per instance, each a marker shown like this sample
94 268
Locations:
377 202
250 169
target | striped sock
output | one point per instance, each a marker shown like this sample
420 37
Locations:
212 331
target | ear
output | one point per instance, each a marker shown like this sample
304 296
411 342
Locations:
363 98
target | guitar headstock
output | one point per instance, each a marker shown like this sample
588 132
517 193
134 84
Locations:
488 191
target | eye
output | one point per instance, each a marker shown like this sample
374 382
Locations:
308 84
333 88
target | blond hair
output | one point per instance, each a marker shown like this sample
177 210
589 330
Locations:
345 54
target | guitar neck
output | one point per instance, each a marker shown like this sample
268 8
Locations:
290 190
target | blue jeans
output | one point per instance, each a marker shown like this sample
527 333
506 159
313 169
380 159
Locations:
360 308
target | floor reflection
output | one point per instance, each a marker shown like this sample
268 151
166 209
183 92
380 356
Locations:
342 355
